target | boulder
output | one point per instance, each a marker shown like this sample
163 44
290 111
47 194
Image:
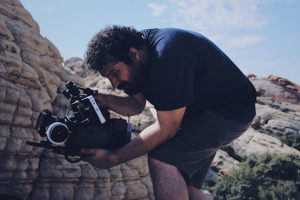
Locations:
223 163
278 88
254 143
32 78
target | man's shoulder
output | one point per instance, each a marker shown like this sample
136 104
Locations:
171 35
174 44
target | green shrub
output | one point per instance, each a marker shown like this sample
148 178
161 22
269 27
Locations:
291 139
269 177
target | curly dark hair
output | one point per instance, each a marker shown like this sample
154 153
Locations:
112 45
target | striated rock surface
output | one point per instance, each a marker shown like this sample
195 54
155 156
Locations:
31 80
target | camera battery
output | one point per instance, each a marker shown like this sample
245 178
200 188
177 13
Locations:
97 109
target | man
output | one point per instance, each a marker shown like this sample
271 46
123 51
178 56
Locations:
202 99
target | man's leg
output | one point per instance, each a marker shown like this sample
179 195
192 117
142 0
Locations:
198 194
168 182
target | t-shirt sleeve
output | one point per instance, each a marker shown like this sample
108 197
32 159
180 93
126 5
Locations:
171 84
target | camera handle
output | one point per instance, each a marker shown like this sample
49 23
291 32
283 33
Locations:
57 149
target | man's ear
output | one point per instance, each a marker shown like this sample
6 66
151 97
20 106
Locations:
134 54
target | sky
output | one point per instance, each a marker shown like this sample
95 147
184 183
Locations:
261 37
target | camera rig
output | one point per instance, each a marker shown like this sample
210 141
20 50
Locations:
84 126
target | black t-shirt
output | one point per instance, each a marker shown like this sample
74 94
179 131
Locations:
187 69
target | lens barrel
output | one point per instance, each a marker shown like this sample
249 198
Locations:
57 133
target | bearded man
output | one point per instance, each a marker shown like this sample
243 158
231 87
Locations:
203 101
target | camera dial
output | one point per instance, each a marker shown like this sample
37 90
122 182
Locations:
57 133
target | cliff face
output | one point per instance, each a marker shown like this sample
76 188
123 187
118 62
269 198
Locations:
31 80
30 74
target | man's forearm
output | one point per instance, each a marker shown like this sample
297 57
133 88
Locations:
165 128
124 105
147 140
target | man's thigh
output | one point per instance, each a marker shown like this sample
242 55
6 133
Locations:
168 182
194 146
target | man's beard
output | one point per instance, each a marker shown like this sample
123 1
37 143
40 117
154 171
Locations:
135 83
128 87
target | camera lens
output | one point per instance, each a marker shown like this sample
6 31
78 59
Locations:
57 133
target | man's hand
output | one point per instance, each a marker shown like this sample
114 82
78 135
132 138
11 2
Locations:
99 158
165 128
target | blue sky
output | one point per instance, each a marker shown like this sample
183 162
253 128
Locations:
260 36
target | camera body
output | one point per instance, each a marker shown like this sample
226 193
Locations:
84 126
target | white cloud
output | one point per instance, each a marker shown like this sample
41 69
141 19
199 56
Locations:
157 9
244 40
216 19
211 14
231 23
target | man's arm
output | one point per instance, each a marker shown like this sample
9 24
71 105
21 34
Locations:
166 127
124 105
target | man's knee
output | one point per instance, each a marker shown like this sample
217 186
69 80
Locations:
198 194
168 183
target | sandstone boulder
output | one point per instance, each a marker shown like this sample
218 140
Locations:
279 88
32 79
255 143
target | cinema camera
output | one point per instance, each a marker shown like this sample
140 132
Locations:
84 126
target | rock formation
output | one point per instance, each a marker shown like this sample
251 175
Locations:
31 80
279 88
274 118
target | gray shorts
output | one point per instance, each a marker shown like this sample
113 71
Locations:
193 148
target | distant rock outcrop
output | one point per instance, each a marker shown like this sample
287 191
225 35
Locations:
31 80
274 118
279 88
77 66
